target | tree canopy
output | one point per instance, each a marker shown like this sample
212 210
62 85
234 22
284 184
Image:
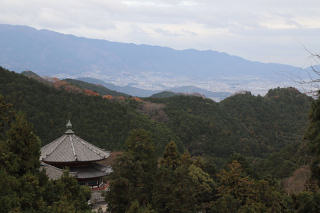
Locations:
24 188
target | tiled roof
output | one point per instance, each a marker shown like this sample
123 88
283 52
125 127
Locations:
92 171
71 148
53 172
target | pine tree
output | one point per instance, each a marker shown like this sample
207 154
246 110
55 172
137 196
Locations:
24 188
25 146
174 188
133 175
237 192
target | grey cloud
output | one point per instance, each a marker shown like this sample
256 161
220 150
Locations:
178 23
167 33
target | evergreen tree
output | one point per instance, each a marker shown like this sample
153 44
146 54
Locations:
237 192
133 176
180 184
24 145
313 136
24 188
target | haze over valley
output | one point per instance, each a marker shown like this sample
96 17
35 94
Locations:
140 70
160 106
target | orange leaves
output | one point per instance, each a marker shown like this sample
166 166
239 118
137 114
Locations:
109 97
60 84
136 99
90 92
69 87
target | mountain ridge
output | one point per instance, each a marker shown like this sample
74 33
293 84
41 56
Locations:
217 96
253 126
144 66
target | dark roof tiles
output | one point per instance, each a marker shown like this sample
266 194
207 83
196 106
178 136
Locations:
71 148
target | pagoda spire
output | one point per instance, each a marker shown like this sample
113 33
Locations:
69 128
69 125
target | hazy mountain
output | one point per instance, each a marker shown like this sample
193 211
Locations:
124 89
164 94
191 89
140 66
146 93
100 89
36 77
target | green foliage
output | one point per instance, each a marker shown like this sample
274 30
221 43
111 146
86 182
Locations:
23 187
133 176
136 208
174 191
171 158
238 192
96 88
312 137
164 94
181 185
306 202
140 145
264 130
102 122
177 184
25 145
257 135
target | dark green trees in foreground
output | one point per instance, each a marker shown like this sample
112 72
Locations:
175 182
24 188
180 183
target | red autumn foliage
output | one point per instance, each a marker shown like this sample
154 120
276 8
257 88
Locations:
137 99
109 97
90 92
59 84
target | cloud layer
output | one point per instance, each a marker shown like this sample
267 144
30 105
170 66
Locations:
263 30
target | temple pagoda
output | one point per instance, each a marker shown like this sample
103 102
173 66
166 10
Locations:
78 156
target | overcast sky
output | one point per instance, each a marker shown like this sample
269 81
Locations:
262 30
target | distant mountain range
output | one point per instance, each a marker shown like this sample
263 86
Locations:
146 93
137 69
124 89
98 87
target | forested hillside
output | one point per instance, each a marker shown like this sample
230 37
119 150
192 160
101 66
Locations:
253 125
103 122
253 128
101 90
230 156
24 185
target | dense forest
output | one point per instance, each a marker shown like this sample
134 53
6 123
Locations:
252 127
255 127
103 122
101 90
24 186
180 154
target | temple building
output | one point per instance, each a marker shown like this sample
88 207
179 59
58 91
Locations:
78 156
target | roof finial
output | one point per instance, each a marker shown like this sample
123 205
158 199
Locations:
69 125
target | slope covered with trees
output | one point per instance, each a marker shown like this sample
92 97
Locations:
205 156
101 90
260 130
24 187
255 127
270 122
103 122
180 183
